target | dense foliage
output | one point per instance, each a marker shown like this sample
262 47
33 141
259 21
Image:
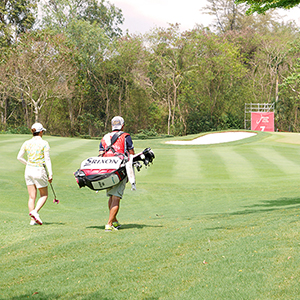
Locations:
72 69
262 6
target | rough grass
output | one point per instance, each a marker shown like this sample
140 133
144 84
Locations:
206 222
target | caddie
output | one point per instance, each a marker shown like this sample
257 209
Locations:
123 145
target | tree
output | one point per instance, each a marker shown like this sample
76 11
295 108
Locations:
40 68
91 43
130 61
167 69
91 26
289 101
261 6
58 14
214 88
15 17
194 75
228 14
231 16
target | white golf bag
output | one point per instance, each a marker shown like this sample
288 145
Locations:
99 173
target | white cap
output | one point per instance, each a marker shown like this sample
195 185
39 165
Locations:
38 127
117 123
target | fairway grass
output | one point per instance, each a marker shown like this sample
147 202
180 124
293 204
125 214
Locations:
206 222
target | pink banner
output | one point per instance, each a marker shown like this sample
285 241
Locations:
262 121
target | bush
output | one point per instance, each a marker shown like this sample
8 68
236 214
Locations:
146 134
16 130
197 122
86 136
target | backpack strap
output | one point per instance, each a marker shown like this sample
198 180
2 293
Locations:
112 141
115 137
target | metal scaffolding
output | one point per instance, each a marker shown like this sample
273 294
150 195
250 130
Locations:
256 107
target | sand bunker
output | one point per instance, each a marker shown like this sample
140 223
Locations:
215 138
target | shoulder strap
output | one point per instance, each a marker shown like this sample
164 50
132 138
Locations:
115 137
113 140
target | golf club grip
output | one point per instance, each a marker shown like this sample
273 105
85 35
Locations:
47 175
46 170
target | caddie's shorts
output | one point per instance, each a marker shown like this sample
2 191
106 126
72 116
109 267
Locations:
36 176
118 189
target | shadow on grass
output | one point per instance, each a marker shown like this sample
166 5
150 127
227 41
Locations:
40 296
216 228
126 226
53 223
97 296
279 202
270 205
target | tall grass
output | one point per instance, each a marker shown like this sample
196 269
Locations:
206 222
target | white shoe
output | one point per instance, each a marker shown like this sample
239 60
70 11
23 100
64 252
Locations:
33 222
36 216
116 224
109 228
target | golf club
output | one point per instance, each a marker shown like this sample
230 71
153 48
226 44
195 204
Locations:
54 200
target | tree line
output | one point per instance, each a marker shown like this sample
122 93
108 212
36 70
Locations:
72 68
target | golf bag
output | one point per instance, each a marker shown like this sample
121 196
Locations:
99 173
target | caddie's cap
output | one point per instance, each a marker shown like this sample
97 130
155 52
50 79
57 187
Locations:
117 123
38 127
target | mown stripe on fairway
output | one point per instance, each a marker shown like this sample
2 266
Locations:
212 165
237 165
9 152
57 144
65 145
187 162
12 146
287 166
163 166
263 167
6 140
81 149
18 140
290 152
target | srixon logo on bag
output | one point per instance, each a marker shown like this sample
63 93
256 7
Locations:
109 160
112 163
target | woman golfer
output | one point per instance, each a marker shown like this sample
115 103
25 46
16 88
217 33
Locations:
37 151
